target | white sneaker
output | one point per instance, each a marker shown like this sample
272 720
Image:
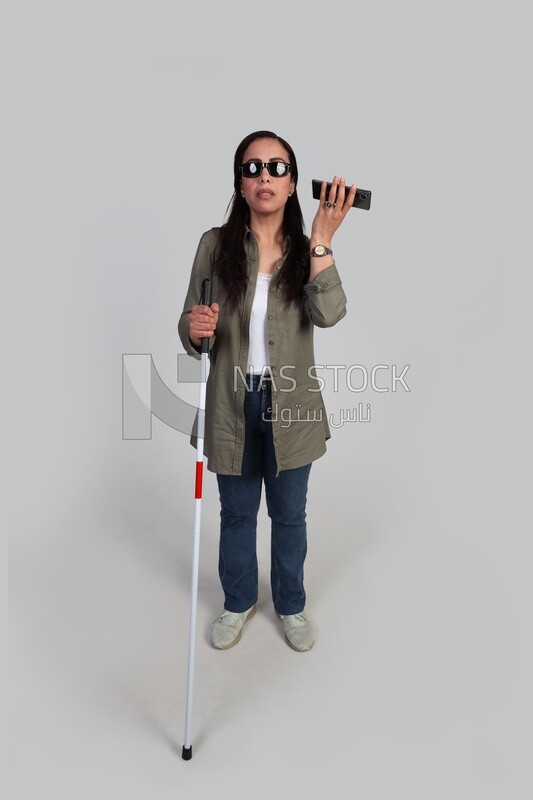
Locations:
298 631
227 629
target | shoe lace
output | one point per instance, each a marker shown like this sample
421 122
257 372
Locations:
296 620
229 617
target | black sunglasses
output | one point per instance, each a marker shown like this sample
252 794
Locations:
252 169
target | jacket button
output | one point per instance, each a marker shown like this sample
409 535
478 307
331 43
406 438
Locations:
271 341
270 316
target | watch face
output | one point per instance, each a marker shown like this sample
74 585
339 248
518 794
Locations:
319 250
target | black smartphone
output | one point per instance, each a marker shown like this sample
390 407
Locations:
362 196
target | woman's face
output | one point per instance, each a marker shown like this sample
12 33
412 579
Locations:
264 193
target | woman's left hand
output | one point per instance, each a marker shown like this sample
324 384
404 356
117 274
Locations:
331 210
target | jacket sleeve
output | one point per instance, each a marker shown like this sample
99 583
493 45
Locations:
325 301
201 269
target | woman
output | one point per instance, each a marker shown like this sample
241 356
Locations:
265 418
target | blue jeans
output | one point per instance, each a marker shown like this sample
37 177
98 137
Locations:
240 496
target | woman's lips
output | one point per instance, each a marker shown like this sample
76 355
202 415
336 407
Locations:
265 194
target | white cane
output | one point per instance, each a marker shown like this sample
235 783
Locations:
186 752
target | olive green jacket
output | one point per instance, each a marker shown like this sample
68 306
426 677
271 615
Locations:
299 422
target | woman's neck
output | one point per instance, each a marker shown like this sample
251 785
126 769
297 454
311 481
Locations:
267 230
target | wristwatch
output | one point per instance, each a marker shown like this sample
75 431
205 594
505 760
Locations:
321 250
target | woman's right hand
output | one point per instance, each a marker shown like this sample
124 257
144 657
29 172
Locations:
202 322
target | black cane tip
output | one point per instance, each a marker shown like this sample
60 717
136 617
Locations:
186 753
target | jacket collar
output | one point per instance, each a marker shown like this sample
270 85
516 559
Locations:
249 235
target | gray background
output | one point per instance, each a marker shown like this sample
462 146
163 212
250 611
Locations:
122 121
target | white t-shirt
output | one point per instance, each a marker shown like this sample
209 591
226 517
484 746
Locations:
258 354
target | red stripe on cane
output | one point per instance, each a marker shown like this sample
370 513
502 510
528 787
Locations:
199 473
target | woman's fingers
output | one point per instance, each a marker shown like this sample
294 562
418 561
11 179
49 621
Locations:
203 320
332 199
333 207
350 197
339 198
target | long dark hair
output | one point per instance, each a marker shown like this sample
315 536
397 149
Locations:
230 257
